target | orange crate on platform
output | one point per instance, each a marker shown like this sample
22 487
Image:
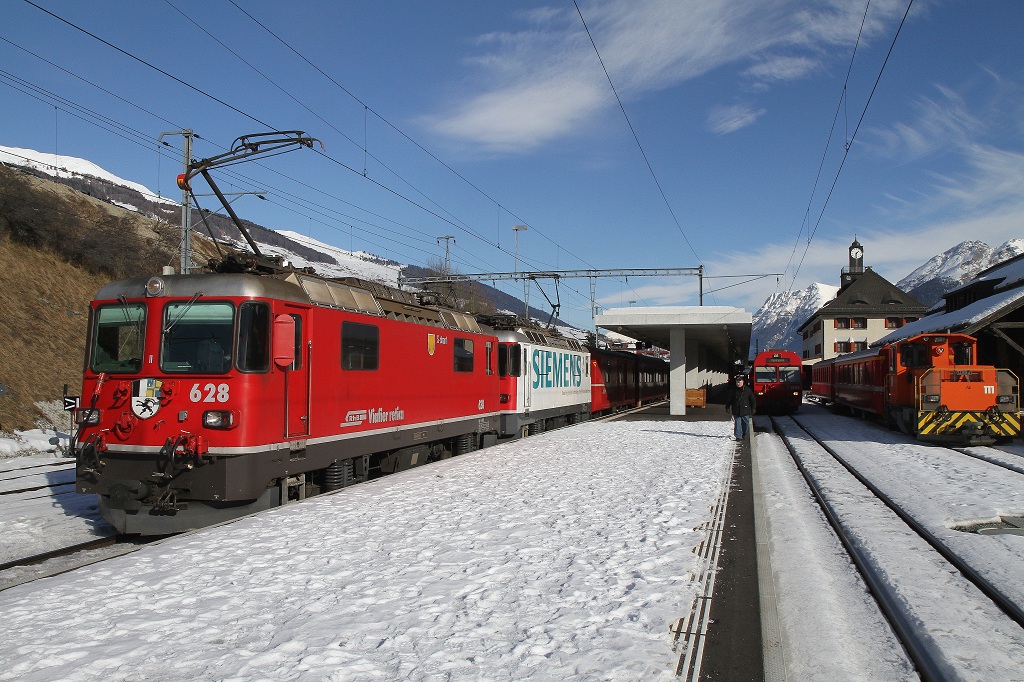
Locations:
695 397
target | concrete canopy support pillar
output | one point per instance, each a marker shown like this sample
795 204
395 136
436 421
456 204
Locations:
677 371
693 363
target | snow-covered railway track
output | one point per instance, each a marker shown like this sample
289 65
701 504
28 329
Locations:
59 552
996 456
917 569
57 476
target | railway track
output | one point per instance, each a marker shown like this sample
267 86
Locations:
917 570
48 528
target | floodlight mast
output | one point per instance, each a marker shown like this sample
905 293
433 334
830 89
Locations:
242 149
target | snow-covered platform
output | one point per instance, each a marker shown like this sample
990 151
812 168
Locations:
562 556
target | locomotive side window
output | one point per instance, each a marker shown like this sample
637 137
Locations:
463 355
490 352
360 346
197 337
962 354
915 355
254 337
118 332
508 360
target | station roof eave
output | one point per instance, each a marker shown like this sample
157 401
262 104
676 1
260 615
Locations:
723 330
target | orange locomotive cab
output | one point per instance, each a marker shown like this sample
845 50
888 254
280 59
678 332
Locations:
936 391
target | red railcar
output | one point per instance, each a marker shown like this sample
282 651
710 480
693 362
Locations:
927 386
777 381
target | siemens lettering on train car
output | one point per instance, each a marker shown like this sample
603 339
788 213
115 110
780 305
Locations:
552 369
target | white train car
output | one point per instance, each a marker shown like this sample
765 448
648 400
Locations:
544 380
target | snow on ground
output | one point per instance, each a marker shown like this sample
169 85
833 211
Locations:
41 512
972 637
35 441
831 628
940 489
564 556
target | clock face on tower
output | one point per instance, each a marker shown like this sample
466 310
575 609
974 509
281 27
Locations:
856 253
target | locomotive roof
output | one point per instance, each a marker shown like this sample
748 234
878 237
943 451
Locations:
348 293
538 337
222 284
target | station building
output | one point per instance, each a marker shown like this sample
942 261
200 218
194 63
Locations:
866 308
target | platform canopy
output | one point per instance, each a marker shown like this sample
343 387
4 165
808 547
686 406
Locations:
704 342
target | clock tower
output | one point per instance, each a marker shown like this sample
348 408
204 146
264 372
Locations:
856 267
856 257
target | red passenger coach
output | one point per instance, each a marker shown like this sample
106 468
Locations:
622 380
777 381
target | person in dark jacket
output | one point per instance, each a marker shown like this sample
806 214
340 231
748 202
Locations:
741 406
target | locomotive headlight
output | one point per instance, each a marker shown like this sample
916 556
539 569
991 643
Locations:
1005 399
218 419
155 286
87 417
931 398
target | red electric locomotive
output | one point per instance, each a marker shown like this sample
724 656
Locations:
927 386
777 381
215 395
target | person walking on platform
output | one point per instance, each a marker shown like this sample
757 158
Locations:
741 406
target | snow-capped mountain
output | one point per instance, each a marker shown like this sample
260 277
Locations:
774 324
776 321
954 267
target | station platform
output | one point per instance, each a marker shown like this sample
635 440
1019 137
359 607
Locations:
713 412
733 648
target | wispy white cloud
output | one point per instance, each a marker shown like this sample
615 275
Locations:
545 82
722 119
942 122
782 68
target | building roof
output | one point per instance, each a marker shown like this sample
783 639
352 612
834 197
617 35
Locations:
869 295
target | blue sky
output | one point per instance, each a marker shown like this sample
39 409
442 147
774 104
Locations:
733 105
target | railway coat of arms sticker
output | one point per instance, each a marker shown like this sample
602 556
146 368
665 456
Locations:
145 397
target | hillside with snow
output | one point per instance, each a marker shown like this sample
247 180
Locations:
347 263
70 167
774 323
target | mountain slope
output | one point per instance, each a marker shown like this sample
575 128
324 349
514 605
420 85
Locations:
954 267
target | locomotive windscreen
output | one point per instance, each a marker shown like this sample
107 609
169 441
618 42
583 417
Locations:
118 332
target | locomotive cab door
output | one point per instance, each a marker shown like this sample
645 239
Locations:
292 354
